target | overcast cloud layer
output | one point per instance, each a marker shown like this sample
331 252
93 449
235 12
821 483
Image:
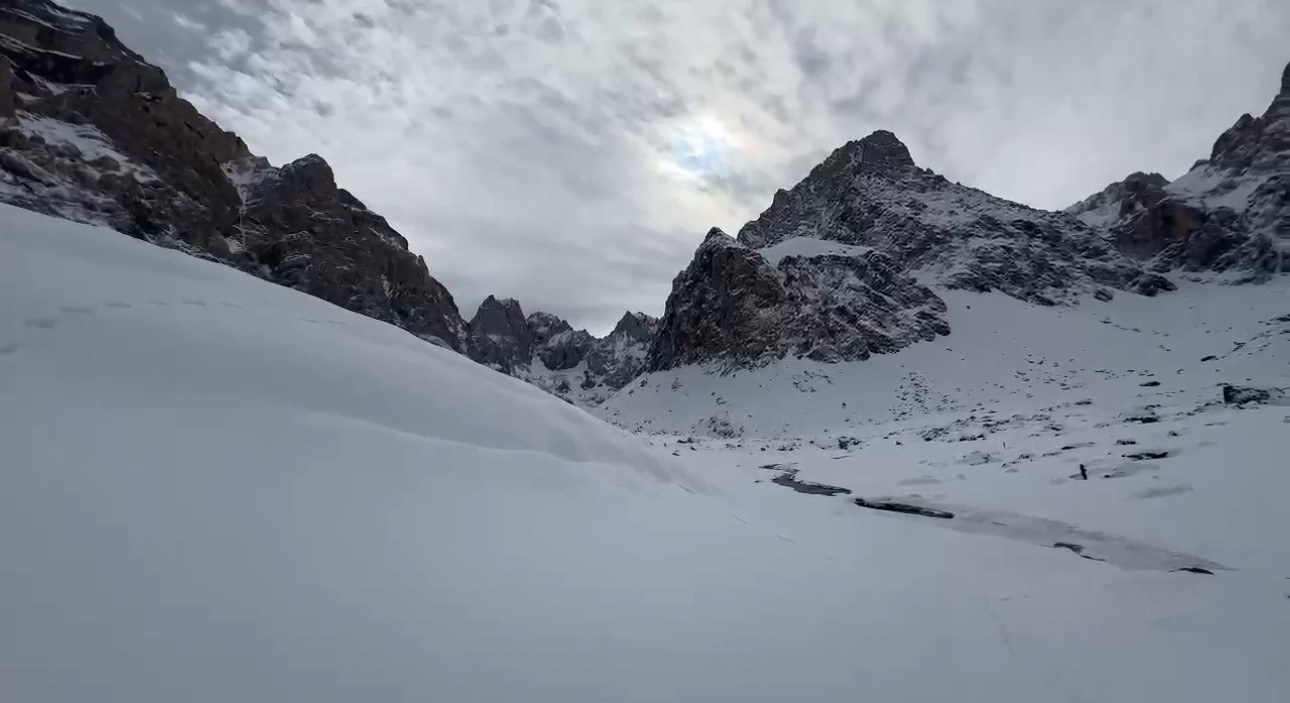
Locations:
571 153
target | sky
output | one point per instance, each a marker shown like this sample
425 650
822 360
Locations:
572 153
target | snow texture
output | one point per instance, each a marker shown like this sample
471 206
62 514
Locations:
808 247
219 489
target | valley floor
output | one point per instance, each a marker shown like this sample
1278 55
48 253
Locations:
216 489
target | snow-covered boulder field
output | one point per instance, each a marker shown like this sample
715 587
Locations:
214 488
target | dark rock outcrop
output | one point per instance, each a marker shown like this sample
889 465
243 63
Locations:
91 132
732 305
547 352
500 335
559 346
1229 214
1245 395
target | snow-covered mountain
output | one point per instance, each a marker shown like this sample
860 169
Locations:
1229 214
91 132
546 351
213 488
839 266
899 440
854 259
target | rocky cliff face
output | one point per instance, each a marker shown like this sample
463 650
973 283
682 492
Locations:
732 303
546 351
89 131
839 267
1229 214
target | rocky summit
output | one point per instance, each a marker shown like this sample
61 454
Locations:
844 265
847 262
91 132
547 352
1229 215
871 193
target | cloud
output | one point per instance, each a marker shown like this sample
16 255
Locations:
188 24
571 153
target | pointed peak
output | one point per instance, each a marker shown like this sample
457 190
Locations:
492 302
883 138
637 325
879 154
718 238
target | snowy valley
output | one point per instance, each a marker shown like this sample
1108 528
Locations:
896 440
219 489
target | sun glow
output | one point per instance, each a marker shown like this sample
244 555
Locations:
700 146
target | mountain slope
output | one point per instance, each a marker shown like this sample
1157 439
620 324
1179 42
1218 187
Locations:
91 132
219 489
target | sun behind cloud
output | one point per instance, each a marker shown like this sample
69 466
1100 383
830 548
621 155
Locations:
699 147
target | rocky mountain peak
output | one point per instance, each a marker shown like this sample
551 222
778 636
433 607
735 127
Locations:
545 325
869 194
548 352
311 172
91 132
637 326
499 317
1145 181
1226 215
500 335
717 237
1261 142
879 153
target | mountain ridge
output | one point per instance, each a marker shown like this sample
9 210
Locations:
546 351
93 133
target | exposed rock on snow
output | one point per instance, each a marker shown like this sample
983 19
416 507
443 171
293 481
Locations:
1244 395
90 132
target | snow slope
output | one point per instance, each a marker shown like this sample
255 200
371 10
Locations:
217 489
1003 354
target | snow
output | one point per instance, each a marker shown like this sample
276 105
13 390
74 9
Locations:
1216 188
808 247
88 140
245 174
217 489
1002 354
1099 211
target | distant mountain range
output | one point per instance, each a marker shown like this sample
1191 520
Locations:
846 264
